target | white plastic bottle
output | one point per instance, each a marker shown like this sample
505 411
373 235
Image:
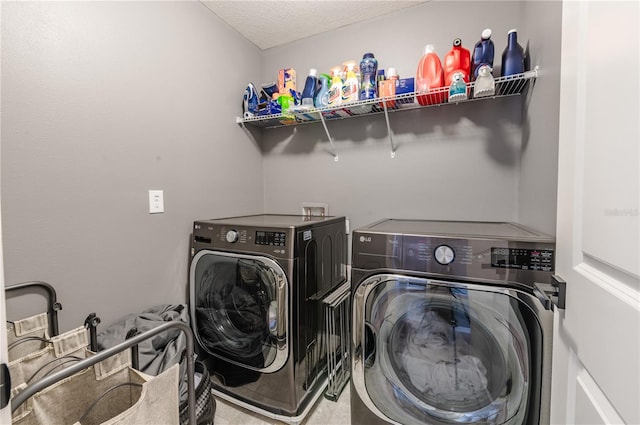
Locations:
335 89
351 87
485 84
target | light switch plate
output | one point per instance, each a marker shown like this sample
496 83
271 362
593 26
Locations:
156 201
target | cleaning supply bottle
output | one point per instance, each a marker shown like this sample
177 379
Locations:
483 53
429 76
457 60
350 88
309 91
512 56
250 101
322 97
368 72
388 87
484 84
335 89
458 88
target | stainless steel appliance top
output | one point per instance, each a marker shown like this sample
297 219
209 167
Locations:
272 220
459 229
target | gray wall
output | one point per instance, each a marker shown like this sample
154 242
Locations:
453 162
102 101
539 156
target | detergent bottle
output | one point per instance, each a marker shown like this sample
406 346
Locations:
483 53
429 77
335 89
309 91
368 72
322 98
458 88
485 84
457 60
512 56
350 89
250 101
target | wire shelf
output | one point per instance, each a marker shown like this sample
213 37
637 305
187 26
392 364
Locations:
504 86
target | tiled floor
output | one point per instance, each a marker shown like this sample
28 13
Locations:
325 412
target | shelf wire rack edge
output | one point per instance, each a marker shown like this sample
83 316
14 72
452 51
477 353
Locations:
513 85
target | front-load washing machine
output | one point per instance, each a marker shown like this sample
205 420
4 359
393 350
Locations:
447 327
256 289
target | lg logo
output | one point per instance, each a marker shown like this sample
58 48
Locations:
365 238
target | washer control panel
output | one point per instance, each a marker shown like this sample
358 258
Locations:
444 254
277 242
522 258
271 238
232 236
482 258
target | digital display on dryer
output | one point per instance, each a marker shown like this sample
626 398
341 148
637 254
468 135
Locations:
523 259
271 238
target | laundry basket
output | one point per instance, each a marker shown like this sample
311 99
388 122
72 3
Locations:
30 334
109 392
57 352
76 393
157 354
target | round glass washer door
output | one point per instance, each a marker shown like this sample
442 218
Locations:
441 353
239 309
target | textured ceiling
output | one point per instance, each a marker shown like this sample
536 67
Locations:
270 23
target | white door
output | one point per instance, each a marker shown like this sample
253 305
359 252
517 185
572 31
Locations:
596 370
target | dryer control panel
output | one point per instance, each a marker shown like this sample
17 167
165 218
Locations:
492 259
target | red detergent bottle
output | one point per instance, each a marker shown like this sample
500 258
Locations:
457 60
429 76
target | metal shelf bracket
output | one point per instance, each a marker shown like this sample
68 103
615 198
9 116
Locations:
389 131
326 130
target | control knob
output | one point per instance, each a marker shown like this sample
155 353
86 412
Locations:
444 254
232 236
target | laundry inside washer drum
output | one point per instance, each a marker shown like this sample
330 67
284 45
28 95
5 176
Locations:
232 309
441 365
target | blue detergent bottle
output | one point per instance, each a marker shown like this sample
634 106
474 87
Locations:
322 98
368 72
310 85
512 56
483 53
250 101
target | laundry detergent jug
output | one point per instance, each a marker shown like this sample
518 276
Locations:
429 76
457 60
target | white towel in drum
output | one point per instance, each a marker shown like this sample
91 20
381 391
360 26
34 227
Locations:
438 366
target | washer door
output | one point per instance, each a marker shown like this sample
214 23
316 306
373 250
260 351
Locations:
436 352
239 309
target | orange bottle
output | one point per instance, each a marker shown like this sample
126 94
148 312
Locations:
457 60
429 76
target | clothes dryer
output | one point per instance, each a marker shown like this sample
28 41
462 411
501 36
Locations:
447 327
256 289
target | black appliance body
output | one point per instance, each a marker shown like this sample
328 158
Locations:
446 324
256 289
